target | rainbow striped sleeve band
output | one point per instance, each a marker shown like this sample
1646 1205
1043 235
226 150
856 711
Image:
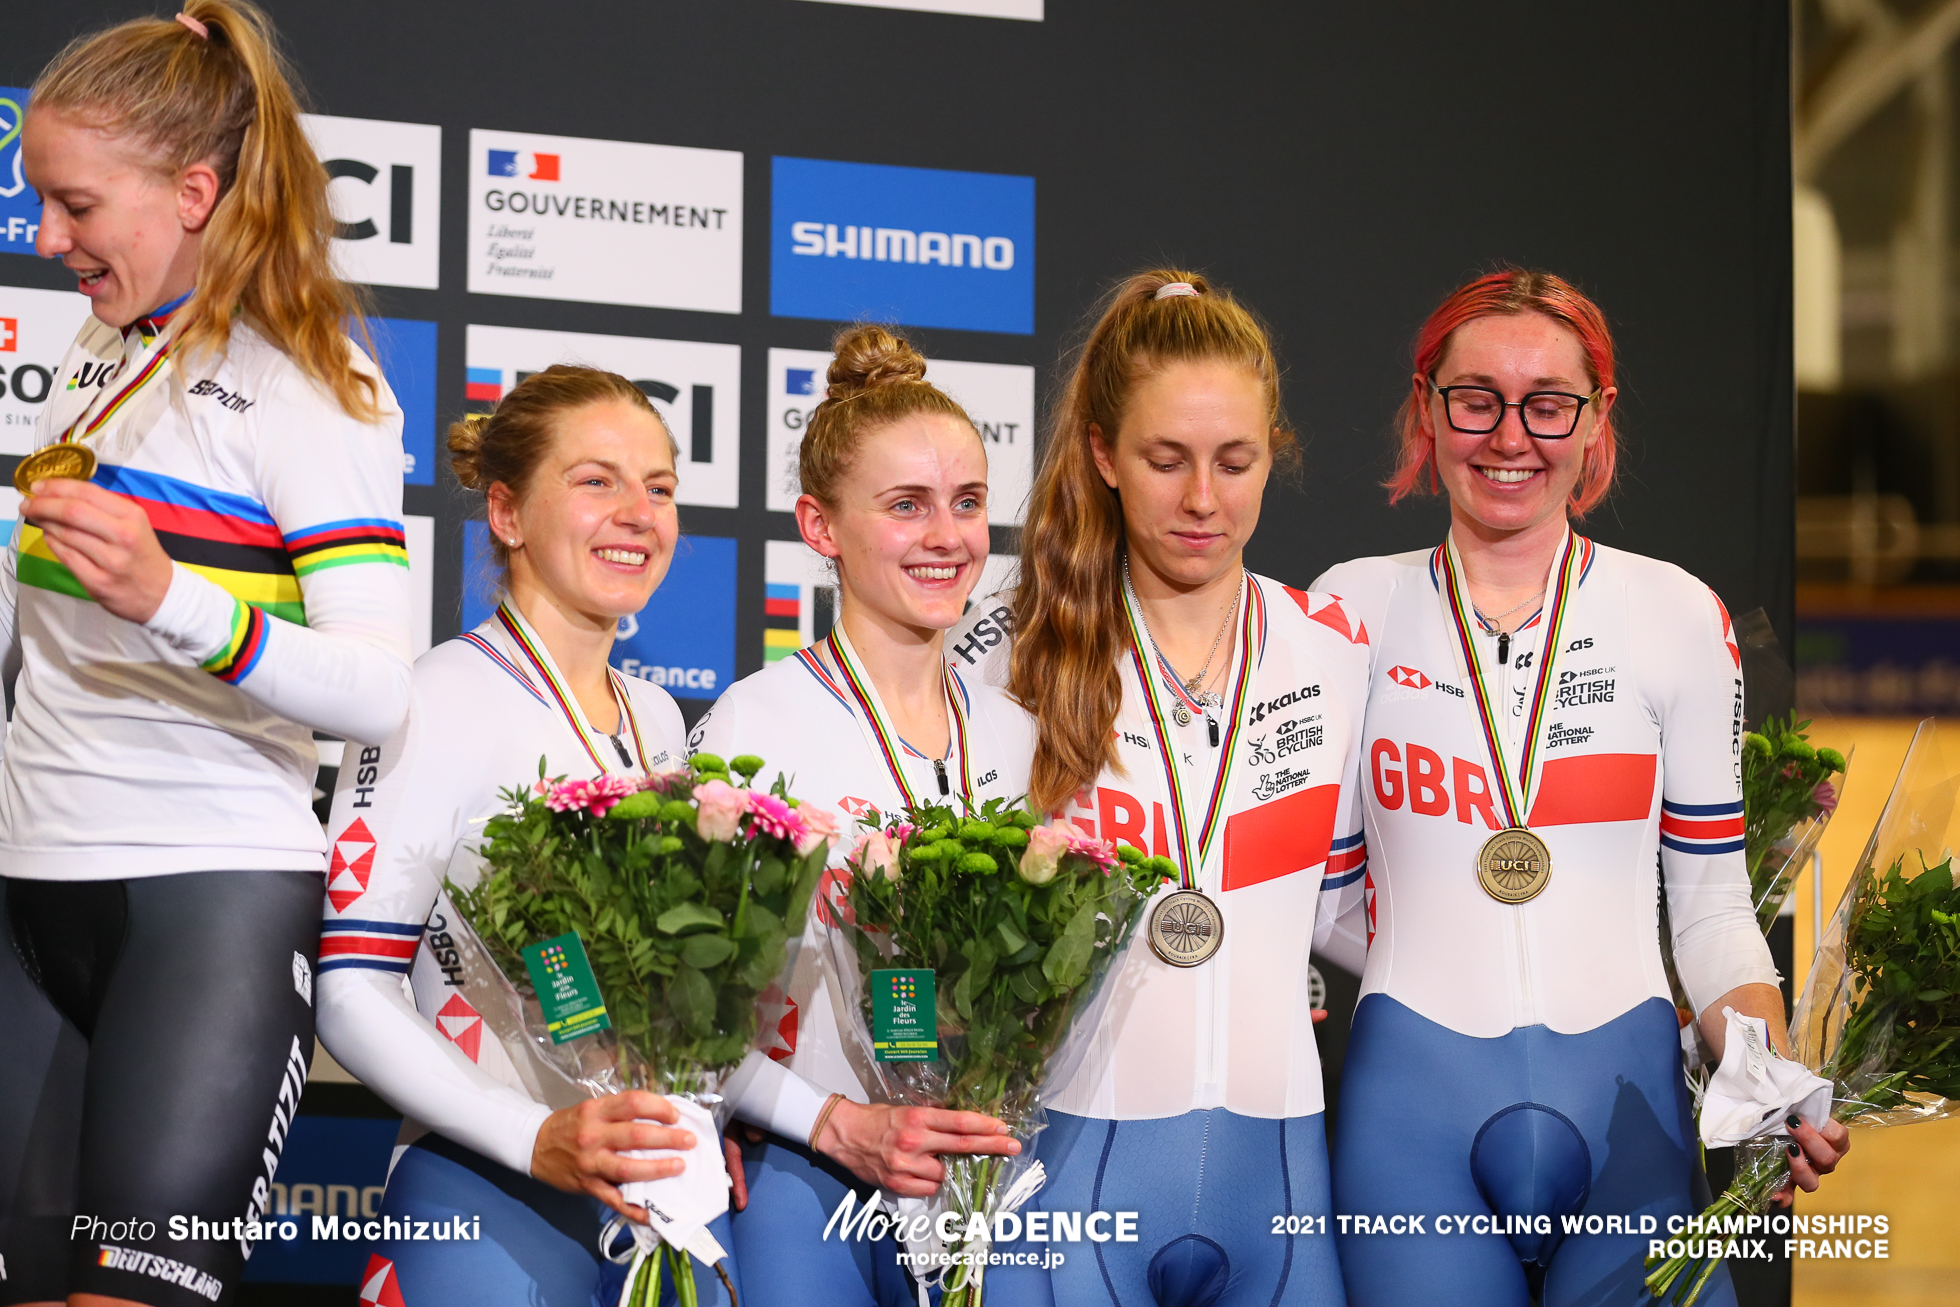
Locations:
242 652
356 540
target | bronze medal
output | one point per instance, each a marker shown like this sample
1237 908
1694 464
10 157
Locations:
1186 928
1514 866
76 462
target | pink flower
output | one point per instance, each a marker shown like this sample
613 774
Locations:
1825 796
720 808
771 816
595 796
1043 856
900 831
819 827
877 852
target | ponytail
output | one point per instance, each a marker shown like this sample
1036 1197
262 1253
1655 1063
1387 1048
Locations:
211 87
1069 624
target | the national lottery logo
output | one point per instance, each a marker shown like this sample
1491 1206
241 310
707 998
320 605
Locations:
923 246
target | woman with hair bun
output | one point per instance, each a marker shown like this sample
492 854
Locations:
1195 710
209 568
577 474
895 495
1553 742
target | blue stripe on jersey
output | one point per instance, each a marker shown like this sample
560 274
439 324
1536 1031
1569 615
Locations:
1347 878
1683 846
484 647
1701 809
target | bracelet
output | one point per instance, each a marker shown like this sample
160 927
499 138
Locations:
823 1118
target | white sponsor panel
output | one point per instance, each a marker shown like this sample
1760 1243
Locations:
788 563
385 185
999 397
608 222
1030 10
421 533
36 329
696 387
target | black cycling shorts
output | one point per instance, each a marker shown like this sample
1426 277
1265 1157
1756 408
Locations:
157 1037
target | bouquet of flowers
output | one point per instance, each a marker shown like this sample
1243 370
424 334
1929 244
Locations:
1879 1016
681 892
1788 797
1016 924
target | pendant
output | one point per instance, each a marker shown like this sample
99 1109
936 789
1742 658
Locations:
1186 928
1514 866
1182 714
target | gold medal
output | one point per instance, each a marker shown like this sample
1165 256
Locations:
1514 866
73 461
1186 928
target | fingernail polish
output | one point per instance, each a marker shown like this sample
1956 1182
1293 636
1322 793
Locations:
1793 1120
1795 1151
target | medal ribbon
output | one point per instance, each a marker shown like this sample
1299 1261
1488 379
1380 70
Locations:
152 368
1488 715
882 735
540 659
1251 611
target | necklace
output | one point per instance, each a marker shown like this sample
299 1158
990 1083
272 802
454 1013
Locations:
1490 623
1204 698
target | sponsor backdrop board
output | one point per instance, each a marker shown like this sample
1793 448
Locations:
387 198
980 178
800 600
695 386
613 222
999 397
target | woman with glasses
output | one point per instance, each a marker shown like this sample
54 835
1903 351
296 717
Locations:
1545 716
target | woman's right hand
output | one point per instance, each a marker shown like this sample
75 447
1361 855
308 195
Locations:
897 1148
579 1148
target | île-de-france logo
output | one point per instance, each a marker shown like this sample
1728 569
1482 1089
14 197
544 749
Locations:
1409 677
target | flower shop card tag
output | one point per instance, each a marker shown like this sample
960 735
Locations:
562 976
904 1021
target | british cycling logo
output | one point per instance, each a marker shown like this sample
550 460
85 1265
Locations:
20 210
924 246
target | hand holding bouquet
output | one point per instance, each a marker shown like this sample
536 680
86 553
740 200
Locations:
1879 1016
1018 924
683 890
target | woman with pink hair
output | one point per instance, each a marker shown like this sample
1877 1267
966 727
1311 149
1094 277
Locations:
1551 747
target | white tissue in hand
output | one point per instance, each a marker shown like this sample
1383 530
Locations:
1754 1090
682 1205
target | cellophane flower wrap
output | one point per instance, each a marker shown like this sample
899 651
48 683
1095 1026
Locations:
1789 791
1020 923
1879 1016
685 889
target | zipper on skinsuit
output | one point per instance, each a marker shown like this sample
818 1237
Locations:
1527 1005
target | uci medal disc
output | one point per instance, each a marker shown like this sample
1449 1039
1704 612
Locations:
1514 866
1186 928
76 462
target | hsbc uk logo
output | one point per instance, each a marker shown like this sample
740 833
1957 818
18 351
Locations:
1410 677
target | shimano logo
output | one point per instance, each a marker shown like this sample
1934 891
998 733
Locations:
899 245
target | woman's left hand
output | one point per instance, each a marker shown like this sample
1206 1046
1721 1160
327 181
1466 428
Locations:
1813 1152
105 539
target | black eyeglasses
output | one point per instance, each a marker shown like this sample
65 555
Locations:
1478 410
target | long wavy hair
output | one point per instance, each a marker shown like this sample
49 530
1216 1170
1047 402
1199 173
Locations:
1068 607
226 98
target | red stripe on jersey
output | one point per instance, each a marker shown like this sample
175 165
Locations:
389 946
1347 859
1279 838
1719 828
1600 787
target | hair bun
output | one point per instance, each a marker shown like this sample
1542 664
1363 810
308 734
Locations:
869 357
465 443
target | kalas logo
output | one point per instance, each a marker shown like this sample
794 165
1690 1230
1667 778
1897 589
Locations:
525 164
1410 677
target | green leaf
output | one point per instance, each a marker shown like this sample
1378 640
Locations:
1012 939
1067 962
704 951
688 916
691 997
